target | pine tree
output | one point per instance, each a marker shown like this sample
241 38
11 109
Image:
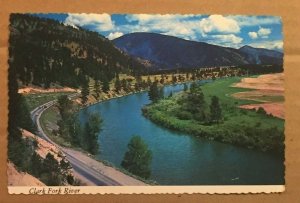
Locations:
149 82
185 87
162 79
215 110
154 92
137 159
91 133
97 88
105 85
85 91
174 79
118 85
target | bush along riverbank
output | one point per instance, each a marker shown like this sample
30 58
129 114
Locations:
210 112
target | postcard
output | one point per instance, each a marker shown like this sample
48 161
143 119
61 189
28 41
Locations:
145 103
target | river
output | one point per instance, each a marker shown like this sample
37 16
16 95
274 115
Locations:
178 158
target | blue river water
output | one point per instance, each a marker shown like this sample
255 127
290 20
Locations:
178 158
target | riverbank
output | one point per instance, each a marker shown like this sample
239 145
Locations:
238 127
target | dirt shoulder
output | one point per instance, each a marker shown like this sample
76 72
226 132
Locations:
32 90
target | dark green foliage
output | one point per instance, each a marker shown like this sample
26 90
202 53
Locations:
49 171
192 104
162 79
97 88
125 85
149 82
153 93
25 119
65 106
118 85
194 87
185 87
85 91
67 124
105 85
215 110
174 79
261 110
45 51
161 92
19 117
91 131
137 159
36 164
184 115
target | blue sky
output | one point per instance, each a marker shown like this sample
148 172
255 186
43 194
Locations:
230 31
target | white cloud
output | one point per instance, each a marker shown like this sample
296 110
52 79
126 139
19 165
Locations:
252 35
174 25
218 23
148 18
215 29
228 40
264 32
261 33
102 22
114 35
188 27
275 45
256 20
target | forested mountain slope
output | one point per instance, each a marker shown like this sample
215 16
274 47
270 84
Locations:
44 51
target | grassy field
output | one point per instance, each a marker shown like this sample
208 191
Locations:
35 100
222 89
239 126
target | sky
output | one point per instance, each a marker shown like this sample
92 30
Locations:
230 31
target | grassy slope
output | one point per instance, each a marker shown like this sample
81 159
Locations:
35 100
235 120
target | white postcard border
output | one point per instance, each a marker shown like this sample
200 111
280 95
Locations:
232 189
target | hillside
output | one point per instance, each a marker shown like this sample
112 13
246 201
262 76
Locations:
44 52
17 178
262 56
167 52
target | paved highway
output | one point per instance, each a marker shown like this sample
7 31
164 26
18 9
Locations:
90 174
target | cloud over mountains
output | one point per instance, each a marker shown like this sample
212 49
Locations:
231 31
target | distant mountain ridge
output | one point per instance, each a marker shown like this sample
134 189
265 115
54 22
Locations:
168 52
262 56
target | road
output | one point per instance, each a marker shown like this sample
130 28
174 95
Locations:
80 167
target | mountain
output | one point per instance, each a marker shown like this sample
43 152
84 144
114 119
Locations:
168 52
262 56
45 52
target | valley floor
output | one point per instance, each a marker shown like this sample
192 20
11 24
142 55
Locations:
267 89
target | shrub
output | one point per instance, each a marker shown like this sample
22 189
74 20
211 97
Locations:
184 115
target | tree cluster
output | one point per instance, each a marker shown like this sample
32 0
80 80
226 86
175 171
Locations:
86 135
137 159
155 92
193 106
